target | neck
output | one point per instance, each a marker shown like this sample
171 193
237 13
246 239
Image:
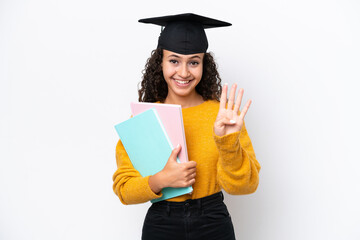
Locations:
185 102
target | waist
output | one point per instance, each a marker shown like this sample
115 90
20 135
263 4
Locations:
200 202
207 212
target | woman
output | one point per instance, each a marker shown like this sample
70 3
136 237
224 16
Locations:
221 155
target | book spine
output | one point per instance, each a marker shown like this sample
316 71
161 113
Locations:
184 137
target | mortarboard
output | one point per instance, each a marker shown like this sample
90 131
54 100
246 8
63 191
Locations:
184 33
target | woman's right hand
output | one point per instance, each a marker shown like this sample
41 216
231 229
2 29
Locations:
174 174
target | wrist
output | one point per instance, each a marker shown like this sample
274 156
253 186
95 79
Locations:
156 182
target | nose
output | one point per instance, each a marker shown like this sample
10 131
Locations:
183 71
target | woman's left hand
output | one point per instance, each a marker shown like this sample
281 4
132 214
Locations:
228 119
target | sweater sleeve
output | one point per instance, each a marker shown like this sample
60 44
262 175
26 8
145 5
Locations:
237 167
129 185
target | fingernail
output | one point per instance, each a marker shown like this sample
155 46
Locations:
232 121
226 84
177 146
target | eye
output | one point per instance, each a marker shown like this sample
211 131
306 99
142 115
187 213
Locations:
173 61
194 63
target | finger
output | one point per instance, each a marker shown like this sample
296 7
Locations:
238 101
175 152
191 165
225 121
245 109
191 175
191 182
232 97
191 171
223 96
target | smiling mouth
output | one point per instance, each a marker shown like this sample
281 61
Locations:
182 82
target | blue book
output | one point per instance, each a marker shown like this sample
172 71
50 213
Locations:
148 147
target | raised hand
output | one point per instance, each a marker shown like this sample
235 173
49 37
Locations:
228 119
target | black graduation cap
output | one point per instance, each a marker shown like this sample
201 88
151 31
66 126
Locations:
184 33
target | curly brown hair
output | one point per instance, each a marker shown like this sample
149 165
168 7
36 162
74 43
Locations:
154 88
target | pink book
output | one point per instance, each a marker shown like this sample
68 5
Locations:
171 118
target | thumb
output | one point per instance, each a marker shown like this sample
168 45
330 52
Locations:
225 121
175 152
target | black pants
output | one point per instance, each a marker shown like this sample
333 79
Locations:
203 218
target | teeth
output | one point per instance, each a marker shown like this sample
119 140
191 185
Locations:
182 82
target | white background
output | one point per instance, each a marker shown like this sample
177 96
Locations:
69 69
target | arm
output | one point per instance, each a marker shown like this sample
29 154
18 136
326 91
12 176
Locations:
132 188
129 185
237 168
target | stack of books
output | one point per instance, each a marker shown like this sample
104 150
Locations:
149 137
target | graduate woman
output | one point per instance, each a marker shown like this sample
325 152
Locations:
221 156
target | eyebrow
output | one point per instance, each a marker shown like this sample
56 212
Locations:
174 55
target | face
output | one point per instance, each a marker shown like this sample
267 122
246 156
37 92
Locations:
182 73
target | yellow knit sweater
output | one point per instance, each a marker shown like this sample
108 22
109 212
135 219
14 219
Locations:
226 162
